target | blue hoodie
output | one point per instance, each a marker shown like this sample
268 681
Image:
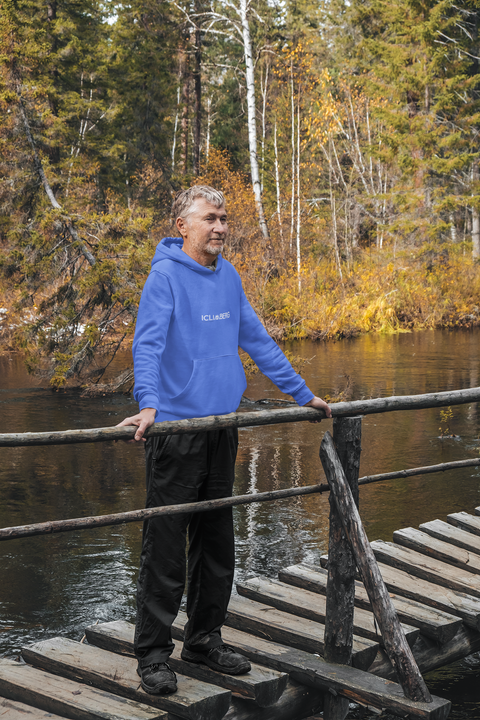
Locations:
191 322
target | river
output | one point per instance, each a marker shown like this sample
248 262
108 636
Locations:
57 585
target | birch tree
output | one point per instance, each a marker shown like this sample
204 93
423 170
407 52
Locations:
234 21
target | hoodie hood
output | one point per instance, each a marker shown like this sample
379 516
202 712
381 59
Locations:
170 248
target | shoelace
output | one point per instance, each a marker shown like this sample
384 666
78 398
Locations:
159 666
222 648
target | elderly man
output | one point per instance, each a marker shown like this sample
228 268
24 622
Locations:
193 316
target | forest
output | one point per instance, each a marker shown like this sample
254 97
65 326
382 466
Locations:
344 134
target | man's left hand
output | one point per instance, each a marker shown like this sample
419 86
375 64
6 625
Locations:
319 404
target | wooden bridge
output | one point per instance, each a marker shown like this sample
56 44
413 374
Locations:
361 628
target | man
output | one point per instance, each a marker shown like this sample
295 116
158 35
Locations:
193 316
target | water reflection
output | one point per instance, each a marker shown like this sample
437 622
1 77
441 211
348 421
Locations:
57 585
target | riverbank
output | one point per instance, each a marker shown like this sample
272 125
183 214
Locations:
376 292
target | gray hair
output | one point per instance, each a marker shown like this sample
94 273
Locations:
184 199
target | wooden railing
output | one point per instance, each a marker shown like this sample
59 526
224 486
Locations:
355 408
247 419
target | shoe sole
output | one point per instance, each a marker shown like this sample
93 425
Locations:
159 689
199 658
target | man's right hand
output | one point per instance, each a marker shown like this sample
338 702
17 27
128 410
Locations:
143 420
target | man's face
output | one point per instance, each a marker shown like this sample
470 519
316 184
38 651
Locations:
204 231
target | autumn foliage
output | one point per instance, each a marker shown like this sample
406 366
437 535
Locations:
366 119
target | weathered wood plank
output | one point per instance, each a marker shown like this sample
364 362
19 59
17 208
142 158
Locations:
313 671
427 568
451 534
395 642
296 702
311 606
117 674
340 597
70 699
436 624
408 585
262 685
427 545
266 622
430 656
465 521
11 710
96 521
260 417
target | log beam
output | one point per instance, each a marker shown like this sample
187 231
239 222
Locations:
396 644
248 419
340 596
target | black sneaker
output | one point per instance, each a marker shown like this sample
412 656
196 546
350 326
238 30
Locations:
158 679
222 658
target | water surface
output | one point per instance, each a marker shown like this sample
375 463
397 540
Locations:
57 585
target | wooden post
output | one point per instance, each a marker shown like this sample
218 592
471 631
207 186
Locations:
340 599
396 645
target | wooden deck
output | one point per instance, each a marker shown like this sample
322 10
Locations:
432 574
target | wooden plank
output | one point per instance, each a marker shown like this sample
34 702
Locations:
408 585
451 534
262 685
435 624
403 583
465 521
293 704
70 699
271 624
296 702
430 569
11 710
430 656
395 642
313 671
427 545
117 674
311 606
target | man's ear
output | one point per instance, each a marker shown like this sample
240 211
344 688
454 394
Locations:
180 223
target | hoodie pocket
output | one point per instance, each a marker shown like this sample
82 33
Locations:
215 387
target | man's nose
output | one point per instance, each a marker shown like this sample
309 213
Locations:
219 227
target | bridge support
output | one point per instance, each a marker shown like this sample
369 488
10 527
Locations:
396 645
347 433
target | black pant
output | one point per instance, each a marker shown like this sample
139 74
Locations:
181 469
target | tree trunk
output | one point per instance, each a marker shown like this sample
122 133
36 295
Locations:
197 79
277 184
298 200
292 214
175 128
185 82
264 88
475 215
251 112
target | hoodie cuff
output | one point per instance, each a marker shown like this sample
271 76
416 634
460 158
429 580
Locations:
150 401
303 395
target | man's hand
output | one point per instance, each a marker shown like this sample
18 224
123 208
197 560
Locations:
319 404
143 420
